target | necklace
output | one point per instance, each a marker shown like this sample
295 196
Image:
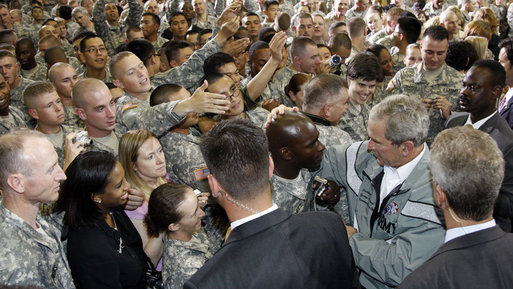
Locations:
121 246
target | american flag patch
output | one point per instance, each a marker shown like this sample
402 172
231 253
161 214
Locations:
201 174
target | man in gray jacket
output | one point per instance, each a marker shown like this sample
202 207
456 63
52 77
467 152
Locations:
395 228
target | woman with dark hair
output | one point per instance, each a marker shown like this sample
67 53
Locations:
174 210
387 66
294 90
104 250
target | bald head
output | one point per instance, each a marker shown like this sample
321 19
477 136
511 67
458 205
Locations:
81 89
285 129
56 69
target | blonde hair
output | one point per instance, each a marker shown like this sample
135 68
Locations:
480 44
129 146
478 28
486 14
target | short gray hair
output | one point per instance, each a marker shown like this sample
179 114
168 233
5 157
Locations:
469 167
12 158
406 119
323 89
79 10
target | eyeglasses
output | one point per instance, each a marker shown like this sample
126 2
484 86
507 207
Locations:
234 92
95 50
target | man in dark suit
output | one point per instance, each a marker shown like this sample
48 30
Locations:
482 86
467 168
267 247
506 59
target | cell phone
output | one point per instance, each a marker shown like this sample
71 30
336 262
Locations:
197 192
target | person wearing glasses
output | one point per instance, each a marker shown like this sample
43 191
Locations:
94 56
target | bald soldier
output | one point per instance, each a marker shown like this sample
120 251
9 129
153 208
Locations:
295 150
96 106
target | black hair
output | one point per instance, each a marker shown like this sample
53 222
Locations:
216 60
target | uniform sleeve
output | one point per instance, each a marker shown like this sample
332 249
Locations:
191 72
135 13
100 26
157 119
390 261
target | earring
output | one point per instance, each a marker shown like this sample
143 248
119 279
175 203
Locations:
99 201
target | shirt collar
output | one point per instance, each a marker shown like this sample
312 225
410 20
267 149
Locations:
405 170
462 231
239 222
478 123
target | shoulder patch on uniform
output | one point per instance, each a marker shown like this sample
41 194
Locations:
201 174
130 105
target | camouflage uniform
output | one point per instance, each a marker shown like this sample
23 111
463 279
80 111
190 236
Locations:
432 12
17 94
71 118
133 113
98 146
351 13
411 81
182 259
289 194
67 47
257 116
354 121
159 42
211 23
29 257
15 119
184 161
380 92
397 59
60 147
277 86
39 72
191 72
387 41
113 36
329 135
377 36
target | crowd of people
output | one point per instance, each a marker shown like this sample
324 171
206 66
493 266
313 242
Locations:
256 144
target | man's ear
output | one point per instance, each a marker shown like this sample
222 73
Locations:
118 83
271 167
16 182
214 186
441 197
286 153
81 113
173 227
33 113
325 110
81 57
407 147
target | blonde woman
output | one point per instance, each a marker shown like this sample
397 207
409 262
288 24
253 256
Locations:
143 160
480 44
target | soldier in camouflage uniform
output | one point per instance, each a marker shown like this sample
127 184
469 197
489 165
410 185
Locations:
305 59
290 142
96 106
324 102
184 162
115 35
10 117
10 71
182 259
187 244
31 253
433 81
362 76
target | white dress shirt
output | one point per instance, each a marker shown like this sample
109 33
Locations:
462 231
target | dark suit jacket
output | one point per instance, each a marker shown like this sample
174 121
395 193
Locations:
499 130
507 114
279 250
477 260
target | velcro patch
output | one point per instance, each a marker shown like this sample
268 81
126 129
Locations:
201 174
